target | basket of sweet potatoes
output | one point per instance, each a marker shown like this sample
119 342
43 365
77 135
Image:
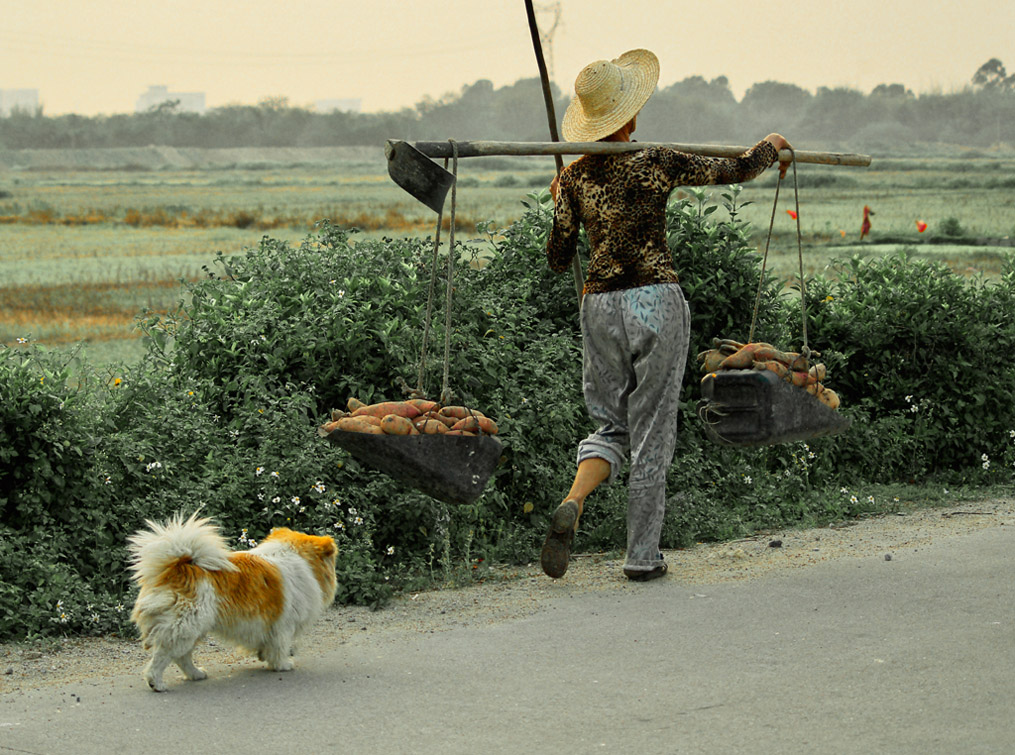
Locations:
755 394
448 452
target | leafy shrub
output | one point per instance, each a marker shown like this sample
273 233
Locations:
914 352
222 411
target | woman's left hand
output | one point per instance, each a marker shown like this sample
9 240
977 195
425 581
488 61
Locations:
779 142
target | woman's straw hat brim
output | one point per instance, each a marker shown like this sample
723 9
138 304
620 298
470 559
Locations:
608 94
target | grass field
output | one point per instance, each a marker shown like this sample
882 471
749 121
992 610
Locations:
83 250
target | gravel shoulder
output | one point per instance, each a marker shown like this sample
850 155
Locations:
516 592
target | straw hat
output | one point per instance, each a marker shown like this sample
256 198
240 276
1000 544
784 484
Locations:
609 93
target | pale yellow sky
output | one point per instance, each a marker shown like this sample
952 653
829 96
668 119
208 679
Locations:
100 56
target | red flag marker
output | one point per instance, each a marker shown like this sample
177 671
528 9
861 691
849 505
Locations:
921 226
791 213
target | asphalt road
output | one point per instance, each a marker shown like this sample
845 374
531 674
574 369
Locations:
912 655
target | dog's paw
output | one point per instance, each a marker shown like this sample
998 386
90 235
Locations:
157 685
283 665
197 674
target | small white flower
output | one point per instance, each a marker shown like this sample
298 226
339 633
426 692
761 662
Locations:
259 471
852 499
391 550
339 525
909 399
985 458
747 479
986 465
295 500
358 520
275 475
352 511
319 487
870 499
108 480
843 490
120 608
276 500
914 408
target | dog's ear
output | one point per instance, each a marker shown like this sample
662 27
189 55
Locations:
326 547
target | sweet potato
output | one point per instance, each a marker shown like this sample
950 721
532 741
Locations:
436 415
384 408
818 372
773 366
357 425
327 428
460 412
337 414
429 426
801 379
353 404
828 397
476 424
710 360
743 358
394 424
726 346
424 405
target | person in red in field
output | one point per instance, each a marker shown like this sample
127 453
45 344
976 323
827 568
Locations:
865 227
635 322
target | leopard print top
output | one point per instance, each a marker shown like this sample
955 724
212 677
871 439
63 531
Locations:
621 199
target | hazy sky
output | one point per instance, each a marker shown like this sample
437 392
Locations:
100 56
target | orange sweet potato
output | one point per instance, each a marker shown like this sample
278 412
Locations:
394 424
773 366
744 357
460 412
476 424
710 360
429 426
353 404
358 425
384 408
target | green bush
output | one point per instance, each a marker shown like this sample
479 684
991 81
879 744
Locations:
222 411
913 350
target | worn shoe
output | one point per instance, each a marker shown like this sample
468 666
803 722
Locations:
643 575
557 546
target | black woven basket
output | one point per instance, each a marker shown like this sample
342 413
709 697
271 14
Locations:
450 468
758 408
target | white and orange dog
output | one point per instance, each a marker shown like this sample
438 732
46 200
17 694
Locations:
193 585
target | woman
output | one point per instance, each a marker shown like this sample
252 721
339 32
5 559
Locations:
634 319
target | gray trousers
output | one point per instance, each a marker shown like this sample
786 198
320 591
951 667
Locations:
635 348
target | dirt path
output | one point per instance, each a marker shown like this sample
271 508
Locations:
513 593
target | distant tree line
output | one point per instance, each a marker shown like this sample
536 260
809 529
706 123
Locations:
693 110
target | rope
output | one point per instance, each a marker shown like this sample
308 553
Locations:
446 395
419 392
446 390
800 255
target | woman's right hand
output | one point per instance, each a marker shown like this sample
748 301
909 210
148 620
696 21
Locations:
779 142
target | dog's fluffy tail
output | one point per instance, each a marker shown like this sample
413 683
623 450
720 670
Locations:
163 546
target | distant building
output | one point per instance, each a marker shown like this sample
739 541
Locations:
18 99
346 106
190 102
